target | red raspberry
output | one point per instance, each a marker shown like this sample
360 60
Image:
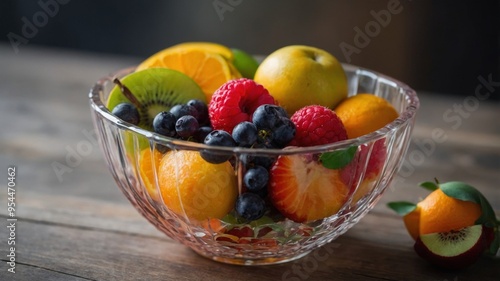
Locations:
235 102
317 125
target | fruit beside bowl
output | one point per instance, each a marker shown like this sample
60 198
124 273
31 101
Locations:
233 174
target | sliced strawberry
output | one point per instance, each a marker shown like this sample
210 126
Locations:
303 190
351 174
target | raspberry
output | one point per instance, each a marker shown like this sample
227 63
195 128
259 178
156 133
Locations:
317 125
235 101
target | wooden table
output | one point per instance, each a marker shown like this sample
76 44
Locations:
74 224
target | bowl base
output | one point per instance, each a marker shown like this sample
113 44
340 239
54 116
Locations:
252 261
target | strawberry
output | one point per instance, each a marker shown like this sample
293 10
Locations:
316 125
303 190
351 173
235 101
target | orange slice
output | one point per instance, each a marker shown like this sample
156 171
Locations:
207 68
208 47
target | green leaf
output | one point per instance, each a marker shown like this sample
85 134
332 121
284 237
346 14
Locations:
429 185
402 207
465 192
338 159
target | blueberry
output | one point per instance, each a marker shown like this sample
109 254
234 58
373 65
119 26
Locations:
217 138
180 110
250 206
268 117
264 161
186 126
245 134
282 135
127 112
256 178
202 133
164 124
202 110
252 160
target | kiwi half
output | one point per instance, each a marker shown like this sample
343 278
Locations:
154 90
454 249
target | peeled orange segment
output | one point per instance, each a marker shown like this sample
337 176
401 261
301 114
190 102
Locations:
148 167
208 70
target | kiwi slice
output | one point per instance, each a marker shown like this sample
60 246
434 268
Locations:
454 249
154 90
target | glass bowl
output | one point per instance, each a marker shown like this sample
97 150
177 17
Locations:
274 238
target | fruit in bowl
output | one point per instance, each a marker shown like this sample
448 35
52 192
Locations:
235 175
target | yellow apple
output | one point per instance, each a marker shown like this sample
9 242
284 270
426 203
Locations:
299 75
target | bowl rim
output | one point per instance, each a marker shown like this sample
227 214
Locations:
404 117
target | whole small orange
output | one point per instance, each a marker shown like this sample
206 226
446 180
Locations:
195 189
365 113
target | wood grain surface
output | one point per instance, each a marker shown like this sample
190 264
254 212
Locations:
77 225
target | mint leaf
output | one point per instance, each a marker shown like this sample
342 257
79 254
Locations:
465 192
338 159
429 185
402 207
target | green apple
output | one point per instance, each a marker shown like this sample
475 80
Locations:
298 75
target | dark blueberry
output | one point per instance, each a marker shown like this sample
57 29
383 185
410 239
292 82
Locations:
180 110
282 135
186 126
262 193
202 110
250 206
202 133
164 124
282 111
253 160
256 178
217 138
127 112
264 161
268 117
245 134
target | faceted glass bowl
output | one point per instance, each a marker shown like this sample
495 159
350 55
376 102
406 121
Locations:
273 240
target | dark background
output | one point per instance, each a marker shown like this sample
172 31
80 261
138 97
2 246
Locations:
437 46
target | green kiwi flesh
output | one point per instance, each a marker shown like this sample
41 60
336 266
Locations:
156 90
